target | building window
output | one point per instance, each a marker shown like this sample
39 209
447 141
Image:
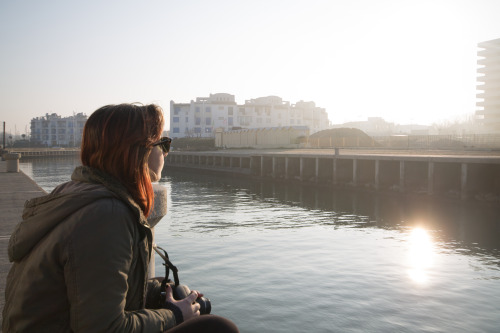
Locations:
208 129
197 129
177 109
208 109
197 121
176 119
245 121
221 108
230 111
208 121
197 109
176 130
187 119
259 120
230 121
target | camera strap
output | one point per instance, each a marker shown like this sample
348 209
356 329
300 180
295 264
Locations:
168 266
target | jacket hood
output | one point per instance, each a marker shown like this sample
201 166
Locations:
43 214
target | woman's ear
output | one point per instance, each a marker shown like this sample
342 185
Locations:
154 177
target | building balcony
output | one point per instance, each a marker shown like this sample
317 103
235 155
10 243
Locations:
487 53
494 67
489 112
489 103
487 61
488 94
490 79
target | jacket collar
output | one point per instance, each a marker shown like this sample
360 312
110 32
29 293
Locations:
90 175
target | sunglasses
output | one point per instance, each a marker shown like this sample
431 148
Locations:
164 144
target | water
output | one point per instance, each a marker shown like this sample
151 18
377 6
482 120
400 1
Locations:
291 258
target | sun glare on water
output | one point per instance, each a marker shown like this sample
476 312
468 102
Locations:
420 255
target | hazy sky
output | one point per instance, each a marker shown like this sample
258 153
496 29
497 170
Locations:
405 61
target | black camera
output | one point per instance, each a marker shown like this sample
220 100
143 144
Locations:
182 291
179 291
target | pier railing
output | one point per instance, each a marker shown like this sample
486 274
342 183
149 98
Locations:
44 152
404 141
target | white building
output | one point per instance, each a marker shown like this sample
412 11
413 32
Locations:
52 130
489 95
200 118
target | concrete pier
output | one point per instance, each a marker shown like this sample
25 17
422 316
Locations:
15 189
458 175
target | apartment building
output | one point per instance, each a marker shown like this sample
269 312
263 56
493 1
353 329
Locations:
201 117
53 130
488 105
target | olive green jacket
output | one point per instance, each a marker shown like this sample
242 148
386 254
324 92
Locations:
81 257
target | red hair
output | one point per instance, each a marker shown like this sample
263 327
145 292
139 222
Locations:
118 139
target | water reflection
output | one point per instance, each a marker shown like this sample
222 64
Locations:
420 255
49 172
474 227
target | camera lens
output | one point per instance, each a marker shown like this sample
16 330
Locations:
205 305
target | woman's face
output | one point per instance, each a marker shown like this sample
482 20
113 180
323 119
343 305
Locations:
155 163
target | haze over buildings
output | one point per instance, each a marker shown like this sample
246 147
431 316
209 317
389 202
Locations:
403 61
201 117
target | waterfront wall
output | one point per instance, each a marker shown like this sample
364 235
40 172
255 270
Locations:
456 177
44 152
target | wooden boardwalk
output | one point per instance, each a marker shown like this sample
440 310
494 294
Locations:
15 189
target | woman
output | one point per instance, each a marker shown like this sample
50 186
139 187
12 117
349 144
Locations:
81 253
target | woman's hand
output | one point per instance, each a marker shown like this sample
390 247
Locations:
188 307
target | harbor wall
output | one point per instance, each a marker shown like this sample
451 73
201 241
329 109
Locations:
459 177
